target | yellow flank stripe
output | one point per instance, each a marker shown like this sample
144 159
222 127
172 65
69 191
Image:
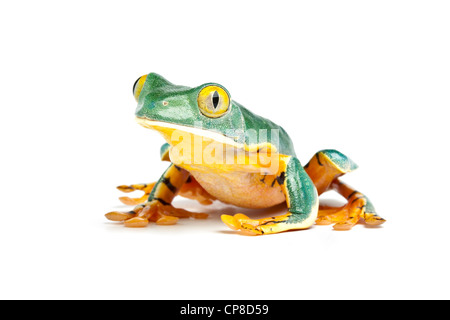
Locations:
283 166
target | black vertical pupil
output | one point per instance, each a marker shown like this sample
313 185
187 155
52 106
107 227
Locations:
215 99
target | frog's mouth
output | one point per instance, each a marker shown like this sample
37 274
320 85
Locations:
172 132
196 148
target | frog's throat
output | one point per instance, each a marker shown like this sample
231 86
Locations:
167 129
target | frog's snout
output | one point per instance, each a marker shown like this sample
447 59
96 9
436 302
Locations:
138 85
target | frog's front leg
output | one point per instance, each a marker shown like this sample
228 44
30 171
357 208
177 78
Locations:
191 189
301 198
158 207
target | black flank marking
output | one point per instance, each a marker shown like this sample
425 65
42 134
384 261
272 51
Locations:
281 178
169 185
132 212
273 182
351 194
162 201
318 160
177 167
264 178
307 165
189 179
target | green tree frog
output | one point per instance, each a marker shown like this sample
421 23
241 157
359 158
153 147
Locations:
219 150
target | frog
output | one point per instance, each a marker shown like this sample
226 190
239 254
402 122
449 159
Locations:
246 167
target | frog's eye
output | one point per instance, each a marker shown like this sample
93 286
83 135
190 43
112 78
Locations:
213 101
137 87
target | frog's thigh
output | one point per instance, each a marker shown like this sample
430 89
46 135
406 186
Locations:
326 166
302 201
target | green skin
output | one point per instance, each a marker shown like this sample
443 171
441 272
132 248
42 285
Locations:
182 109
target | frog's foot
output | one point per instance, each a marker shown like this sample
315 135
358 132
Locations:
263 226
194 191
345 217
154 211
147 188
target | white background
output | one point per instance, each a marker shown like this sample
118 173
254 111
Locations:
369 78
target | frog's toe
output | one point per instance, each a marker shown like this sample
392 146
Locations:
167 220
230 221
373 219
170 210
257 226
119 216
242 223
136 222
124 216
147 188
133 201
125 188
347 224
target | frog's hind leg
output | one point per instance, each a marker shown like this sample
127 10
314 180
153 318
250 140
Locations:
194 191
324 170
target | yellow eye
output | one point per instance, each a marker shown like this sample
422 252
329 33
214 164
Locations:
213 101
137 87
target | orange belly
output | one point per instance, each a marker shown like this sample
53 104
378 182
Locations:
248 190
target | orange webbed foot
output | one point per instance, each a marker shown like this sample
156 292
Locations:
346 217
153 211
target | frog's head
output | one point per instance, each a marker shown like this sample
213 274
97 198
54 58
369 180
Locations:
206 110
